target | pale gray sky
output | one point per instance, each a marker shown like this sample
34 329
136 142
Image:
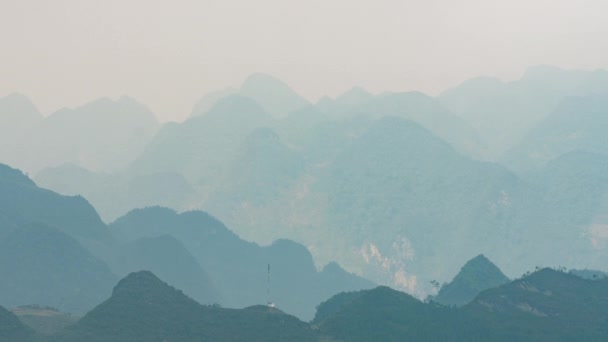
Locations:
169 53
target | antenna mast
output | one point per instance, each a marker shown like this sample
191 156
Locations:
270 304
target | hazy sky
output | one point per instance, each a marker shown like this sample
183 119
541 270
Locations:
167 54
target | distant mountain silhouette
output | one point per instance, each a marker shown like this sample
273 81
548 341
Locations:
346 104
477 275
269 92
16 108
209 100
103 135
413 106
577 123
430 114
144 308
354 97
17 116
503 112
179 147
272 94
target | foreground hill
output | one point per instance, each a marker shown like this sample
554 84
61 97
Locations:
143 308
383 314
477 275
544 306
239 268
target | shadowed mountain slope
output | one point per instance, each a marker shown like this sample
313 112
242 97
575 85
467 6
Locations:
40 265
144 308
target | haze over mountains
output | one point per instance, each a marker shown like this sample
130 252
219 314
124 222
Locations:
213 285
400 188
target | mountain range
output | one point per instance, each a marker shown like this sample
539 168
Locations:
399 188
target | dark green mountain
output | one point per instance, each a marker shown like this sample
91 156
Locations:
41 265
12 330
477 275
547 305
239 268
543 306
143 308
382 314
